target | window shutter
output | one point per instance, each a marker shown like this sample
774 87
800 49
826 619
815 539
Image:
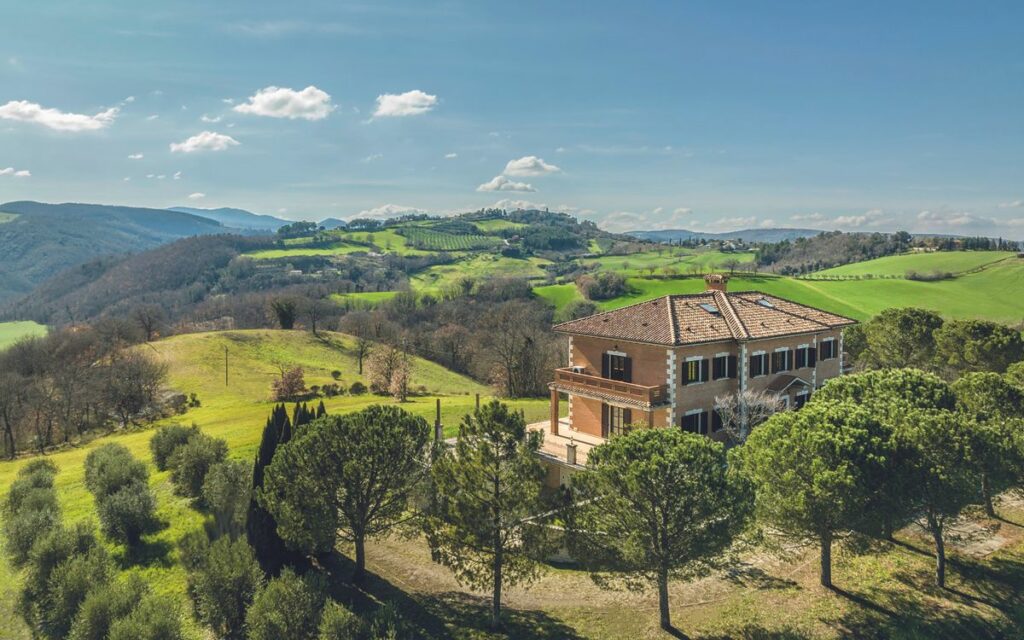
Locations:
732 367
704 370
812 357
606 365
627 369
753 368
627 417
684 378
604 420
705 422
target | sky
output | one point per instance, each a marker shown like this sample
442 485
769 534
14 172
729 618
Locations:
716 115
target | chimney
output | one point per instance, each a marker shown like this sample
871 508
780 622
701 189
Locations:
716 282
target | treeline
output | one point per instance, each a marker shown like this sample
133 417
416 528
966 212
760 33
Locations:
57 388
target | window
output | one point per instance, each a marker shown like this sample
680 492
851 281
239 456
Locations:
716 421
723 366
695 422
614 420
801 356
758 364
782 360
617 366
695 370
827 349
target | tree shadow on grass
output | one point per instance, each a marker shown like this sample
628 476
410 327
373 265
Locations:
147 554
435 615
755 632
751 577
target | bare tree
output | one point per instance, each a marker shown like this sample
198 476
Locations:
150 318
742 411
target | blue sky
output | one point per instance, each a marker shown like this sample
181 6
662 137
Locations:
702 115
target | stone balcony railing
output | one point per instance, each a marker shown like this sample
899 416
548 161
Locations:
570 380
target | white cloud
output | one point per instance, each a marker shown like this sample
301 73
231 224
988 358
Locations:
501 183
151 118
136 156
210 119
24 111
280 102
161 177
870 218
196 196
952 218
807 217
386 211
127 179
410 103
177 175
513 204
451 156
657 211
16 173
736 222
682 211
370 158
767 223
623 221
205 141
529 166
1011 205
129 100
560 150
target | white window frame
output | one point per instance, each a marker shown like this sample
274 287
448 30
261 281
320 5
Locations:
765 363
686 363
721 354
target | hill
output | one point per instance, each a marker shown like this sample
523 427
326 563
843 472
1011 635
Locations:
333 223
11 332
235 412
939 262
747 235
40 240
236 218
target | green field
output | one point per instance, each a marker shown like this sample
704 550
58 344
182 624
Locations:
336 249
11 332
431 240
438 277
559 295
497 224
944 261
681 261
388 240
367 298
237 413
7 217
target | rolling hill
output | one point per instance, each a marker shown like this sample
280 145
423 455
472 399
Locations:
39 240
747 235
236 218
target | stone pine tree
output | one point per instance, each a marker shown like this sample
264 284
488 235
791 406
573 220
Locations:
260 527
942 478
814 472
485 493
348 477
654 505
993 409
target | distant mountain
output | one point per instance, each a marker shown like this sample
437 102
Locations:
44 239
333 223
236 218
749 235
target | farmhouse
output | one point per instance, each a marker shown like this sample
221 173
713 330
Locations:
662 363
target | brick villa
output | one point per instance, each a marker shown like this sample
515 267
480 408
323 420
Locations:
663 362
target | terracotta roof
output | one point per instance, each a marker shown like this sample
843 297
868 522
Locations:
712 316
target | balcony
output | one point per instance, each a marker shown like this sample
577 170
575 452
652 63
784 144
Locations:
570 380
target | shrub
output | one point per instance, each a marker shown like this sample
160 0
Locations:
605 286
156 618
128 513
68 586
288 608
357 388
29 510
290 386
388 623
192 461
223 583
338 623
166 440
226 491
336 374
111 467
105 605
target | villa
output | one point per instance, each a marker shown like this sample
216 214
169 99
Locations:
662 363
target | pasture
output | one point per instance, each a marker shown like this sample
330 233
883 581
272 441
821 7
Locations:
11 332
235 412
479 267
335 249
497 224
936 261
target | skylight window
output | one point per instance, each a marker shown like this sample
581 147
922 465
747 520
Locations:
710 308
765 302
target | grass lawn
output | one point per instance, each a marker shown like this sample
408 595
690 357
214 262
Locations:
237 413
680 259
982 295
365 298
497 224
11 332
337 249
559 295
477 267
386 239
951 261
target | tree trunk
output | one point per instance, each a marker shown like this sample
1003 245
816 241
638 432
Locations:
940 553
986 495
666 620
496 599
360 571
826 560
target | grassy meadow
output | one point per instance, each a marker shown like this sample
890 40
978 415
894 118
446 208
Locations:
923 262
436 278
235 412
11 332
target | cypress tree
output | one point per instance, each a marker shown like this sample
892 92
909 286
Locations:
260 527
321 410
